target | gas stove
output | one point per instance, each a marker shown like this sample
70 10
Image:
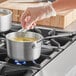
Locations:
51 48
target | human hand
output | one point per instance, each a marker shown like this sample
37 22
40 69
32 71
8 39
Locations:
26 21
33 14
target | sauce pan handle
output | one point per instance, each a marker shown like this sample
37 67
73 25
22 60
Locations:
57 36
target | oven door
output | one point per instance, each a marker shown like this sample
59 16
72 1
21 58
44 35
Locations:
63 65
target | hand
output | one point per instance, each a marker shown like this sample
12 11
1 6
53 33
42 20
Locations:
33 14
26 20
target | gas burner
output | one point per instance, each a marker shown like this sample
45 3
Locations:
25 63
20 62
34 64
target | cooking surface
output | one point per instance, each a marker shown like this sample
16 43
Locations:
51 48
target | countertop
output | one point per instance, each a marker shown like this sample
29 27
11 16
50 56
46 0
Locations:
71 27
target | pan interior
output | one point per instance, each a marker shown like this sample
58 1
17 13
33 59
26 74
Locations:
30 36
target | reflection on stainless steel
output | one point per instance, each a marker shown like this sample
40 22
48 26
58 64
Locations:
6 20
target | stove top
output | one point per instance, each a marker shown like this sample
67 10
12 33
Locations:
51 48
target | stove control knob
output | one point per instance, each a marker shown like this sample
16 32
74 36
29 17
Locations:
52 32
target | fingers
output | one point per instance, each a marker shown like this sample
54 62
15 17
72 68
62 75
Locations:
25 17
26 20
23 23
31 25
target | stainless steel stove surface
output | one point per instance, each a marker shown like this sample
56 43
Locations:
51 48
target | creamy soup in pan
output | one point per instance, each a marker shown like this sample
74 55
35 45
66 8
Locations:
24 39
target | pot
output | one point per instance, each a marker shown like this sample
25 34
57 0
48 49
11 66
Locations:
5 20
27 51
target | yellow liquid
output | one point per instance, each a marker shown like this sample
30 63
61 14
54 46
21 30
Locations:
24 39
